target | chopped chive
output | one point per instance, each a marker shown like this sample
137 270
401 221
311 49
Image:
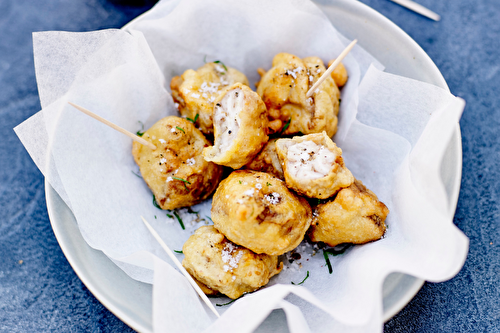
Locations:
141 131
227 302
170 215
268 184
178 252
138 175
195 118
286 125
220 62
330 269
182 180
239 181
208 217
155 203
298 284
205 59
190 211
180 220
180 129
155 217
334 252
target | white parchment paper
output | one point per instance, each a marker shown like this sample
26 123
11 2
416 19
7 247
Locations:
393 132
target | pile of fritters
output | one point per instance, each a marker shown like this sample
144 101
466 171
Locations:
280 189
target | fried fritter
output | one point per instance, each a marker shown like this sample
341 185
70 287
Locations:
267 161
196 91
355 216
283 89
223 266
176 172
339 74
313 165
257 211
240 123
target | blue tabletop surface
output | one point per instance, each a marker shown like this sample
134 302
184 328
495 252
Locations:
39 290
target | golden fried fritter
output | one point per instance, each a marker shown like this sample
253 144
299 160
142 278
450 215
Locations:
339 74
283 89
354 216
240 122
313 165
267 161
224 266
257 211
176 172
196 91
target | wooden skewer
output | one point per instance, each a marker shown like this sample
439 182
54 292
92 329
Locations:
116 127
418 9
331 68
181 268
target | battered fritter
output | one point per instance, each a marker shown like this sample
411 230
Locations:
240 123
313 165
196 91
283 89
224 266
339 74
355 216
267 161
176 172
257 211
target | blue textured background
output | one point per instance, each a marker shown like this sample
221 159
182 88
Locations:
39 290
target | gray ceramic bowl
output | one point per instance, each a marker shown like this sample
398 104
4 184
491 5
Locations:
131 301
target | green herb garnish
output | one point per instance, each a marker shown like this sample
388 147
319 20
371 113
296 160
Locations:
330 269
178 252
220 62
155 203
170 215
190 211
228 302
208 217
298 284
180 220
182 180
205 59
138 175
193 120
334 252
239 181
155 217
286 125
180 129
268 184
141 131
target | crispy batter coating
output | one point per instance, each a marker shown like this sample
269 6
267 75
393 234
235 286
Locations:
196 91
313 165
240 123
339 74
223 266
177 158
354 216
257 211
267 161
283 89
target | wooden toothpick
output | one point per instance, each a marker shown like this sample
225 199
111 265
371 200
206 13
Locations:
116 127
417 8
331 68
180 267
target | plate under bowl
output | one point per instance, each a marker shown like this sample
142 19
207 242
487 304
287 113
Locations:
131 301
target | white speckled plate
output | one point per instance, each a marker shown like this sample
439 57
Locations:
131 301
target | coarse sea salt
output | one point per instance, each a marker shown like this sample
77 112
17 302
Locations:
229 258
162 141
190 161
